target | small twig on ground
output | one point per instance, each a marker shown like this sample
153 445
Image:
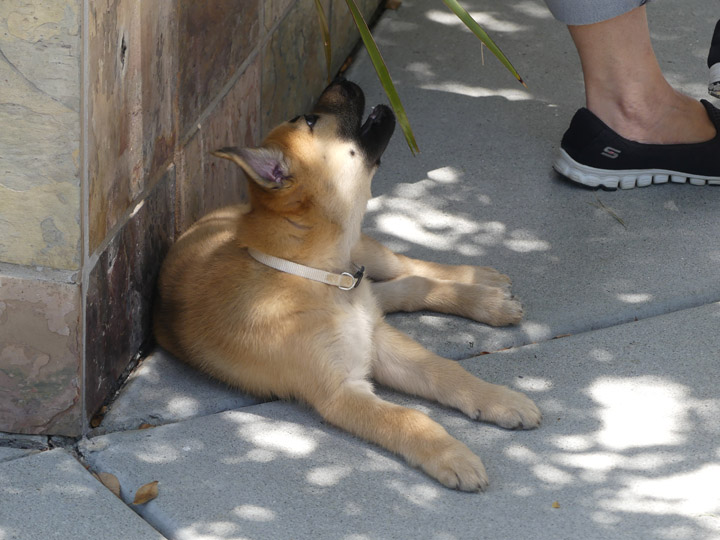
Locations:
599 204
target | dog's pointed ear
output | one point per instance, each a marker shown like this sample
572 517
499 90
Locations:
267 167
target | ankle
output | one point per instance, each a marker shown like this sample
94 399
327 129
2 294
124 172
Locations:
628 105
666 118
630 119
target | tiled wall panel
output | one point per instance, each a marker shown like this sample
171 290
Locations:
40 46
120 291
294 69
215 39
40 356
115 134
274 10
166 82
343 30
212 182
159 68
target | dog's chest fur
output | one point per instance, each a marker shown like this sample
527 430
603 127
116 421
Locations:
355 327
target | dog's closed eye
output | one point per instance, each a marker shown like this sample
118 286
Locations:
311 120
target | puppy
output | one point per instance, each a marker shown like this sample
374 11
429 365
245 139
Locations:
284 296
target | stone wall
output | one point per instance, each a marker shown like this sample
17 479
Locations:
108 111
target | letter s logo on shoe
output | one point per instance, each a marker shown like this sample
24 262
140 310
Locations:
610 152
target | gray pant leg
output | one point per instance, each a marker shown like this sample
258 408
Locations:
590 11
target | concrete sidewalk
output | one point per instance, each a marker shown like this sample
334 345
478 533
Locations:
627 281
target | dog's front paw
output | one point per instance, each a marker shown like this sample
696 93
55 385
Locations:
505 407
486 275
457 467
493 305
477 275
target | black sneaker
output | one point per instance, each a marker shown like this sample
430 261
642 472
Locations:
713 63
594 155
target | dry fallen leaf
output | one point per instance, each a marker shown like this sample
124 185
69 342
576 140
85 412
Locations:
110 481
97 419
347 64
393 4
556 504
145 426
146 493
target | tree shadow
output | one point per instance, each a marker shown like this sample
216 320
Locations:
628 448
482 191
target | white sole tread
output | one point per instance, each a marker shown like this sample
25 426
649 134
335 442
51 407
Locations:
624 179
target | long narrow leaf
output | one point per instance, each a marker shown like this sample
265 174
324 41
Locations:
383 75
325 29
466 18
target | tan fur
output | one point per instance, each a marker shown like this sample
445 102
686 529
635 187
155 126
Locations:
276 334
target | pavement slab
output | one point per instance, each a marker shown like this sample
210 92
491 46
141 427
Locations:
18 440
6 453
163 390
482 190
628 450
628 280
51 495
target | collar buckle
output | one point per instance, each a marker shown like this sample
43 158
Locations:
357 278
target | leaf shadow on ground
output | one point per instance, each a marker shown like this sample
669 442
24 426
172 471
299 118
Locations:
628 448
484 192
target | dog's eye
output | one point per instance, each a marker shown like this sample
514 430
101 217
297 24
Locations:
311 120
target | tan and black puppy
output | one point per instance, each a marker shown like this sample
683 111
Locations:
224 308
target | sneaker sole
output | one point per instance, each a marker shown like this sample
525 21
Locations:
714 86
714 89
624 179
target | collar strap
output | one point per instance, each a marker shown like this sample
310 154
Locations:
345 281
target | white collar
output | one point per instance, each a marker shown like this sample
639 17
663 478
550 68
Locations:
345 281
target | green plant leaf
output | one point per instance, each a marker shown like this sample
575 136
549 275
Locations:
324 28
466 18
383 75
